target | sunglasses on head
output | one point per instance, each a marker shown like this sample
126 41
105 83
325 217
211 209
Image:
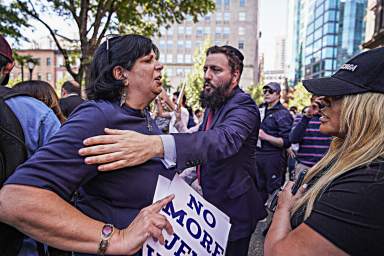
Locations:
108 39
268 90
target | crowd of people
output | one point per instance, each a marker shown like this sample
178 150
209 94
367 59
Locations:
79 188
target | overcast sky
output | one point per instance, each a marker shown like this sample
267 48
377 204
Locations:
273 23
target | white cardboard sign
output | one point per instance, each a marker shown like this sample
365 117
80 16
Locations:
199 227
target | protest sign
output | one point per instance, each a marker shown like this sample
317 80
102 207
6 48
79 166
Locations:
199 227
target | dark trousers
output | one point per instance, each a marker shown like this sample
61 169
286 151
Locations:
238 247
270 171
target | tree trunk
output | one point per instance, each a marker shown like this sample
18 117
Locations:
87 75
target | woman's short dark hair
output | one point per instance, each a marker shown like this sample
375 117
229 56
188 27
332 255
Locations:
123 51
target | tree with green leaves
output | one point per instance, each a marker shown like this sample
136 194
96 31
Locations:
95 19
195 79
256 93
11 21
166 82
301 97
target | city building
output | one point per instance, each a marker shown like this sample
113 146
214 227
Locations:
49 67
326 33
278 73
374 33
280 58
277 76
234 22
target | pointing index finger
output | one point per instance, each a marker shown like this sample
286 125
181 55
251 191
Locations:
156 207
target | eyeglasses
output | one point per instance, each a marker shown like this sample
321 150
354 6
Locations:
108 39
270 91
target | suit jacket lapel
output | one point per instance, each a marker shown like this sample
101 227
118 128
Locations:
205 119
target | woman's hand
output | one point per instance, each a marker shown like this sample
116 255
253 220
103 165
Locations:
286 200
291 153
148 223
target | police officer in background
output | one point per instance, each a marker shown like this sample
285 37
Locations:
271 160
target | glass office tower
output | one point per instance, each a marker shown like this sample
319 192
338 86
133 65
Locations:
334 32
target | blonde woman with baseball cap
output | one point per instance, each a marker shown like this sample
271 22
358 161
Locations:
340 208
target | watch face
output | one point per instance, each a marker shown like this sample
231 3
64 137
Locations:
107 230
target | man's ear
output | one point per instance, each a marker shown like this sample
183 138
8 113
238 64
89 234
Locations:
236 78
118 73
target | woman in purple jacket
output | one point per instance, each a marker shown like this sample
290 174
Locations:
108 217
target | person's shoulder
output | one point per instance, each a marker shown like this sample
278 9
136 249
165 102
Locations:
93 107
103 105
241 97
368 173
284 111
26 103
184 110
75 98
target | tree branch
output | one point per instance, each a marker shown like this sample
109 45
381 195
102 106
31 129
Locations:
72 8
83 21
99 16
106 25
52 32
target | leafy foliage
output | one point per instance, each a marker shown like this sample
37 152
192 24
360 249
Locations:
11 21
195 79
94 19
301 97
166 81
256 93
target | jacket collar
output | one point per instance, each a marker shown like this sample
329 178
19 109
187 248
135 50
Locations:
277 106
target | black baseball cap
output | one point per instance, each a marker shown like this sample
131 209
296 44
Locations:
274 86
362 73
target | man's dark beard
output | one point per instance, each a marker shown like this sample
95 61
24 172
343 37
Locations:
217 97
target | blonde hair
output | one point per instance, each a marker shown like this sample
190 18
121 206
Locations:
362 123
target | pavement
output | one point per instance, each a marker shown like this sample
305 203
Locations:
257 240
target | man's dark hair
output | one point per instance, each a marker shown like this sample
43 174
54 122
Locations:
123 51
184 97
235 57
3 62
70 87
293 108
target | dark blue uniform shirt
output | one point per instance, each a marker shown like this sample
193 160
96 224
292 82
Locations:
278 123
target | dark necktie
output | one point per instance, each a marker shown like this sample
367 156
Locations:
207 126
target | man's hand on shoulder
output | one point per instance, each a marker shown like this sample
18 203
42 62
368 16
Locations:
118 149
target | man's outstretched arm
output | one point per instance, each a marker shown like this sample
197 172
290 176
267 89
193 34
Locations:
120 149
